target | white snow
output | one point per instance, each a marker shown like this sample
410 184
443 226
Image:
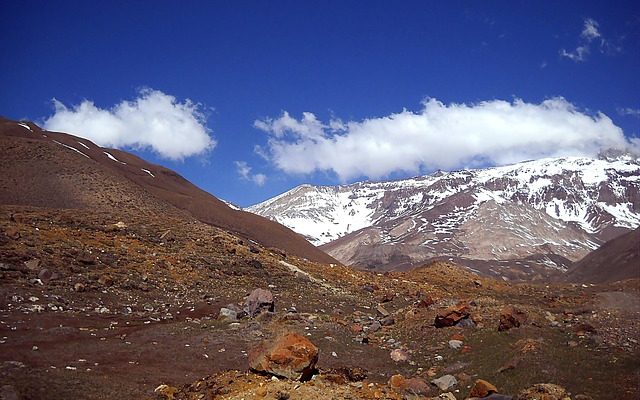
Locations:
83 145
22 124
113 158
567 189
148 172
71 148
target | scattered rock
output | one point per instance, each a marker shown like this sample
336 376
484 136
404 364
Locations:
386 297
445 382
79 287
167 391
46 274
511 317
482 388
226 314
426 302
544 391
451 316
388 321
447 396
105 280
120 225
374 327
253 263
254 249
399 355
290 356
455 344
412 386
370 288
33 264
260 300
12 233
382 311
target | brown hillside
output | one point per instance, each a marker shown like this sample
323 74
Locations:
616 260
49 169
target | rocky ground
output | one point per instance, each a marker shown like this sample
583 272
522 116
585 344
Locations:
144 306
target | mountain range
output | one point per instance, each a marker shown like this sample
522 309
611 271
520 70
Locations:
530 219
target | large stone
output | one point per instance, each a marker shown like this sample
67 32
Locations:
412 386
227 314
544 391
451 316
445 382
399 355
290 356
455 344
260 300
511 317
482 388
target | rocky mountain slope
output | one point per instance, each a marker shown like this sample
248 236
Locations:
545 214
49 169
615 260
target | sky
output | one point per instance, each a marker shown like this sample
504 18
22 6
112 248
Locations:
249 99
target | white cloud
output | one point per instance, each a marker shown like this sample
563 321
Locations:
439 136
590 32
154 120
578 55
634 112
244 170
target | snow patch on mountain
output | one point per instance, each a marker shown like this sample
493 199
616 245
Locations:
592 193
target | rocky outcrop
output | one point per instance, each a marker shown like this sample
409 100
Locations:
290 356
511 317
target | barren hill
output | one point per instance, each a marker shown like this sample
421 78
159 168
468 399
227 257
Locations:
58 170
615 260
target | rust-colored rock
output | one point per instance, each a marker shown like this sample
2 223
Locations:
290 356
451 316
482 388
511 317
412 386
426 302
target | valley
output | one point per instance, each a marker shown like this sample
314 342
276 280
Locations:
112 288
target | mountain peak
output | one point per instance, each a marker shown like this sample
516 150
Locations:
556 206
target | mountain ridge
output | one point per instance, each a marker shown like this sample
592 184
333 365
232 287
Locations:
577 202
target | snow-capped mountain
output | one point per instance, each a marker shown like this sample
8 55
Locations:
557 206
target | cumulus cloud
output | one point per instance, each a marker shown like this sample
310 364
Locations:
439 136
590 32
244 170
154 120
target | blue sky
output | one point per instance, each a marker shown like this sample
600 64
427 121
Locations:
390 89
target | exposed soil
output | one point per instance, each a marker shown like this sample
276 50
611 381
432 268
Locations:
151 288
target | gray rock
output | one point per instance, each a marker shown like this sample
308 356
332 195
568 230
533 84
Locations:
388 321
382 311
374 327
260 300
445 382
455 344
227 314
